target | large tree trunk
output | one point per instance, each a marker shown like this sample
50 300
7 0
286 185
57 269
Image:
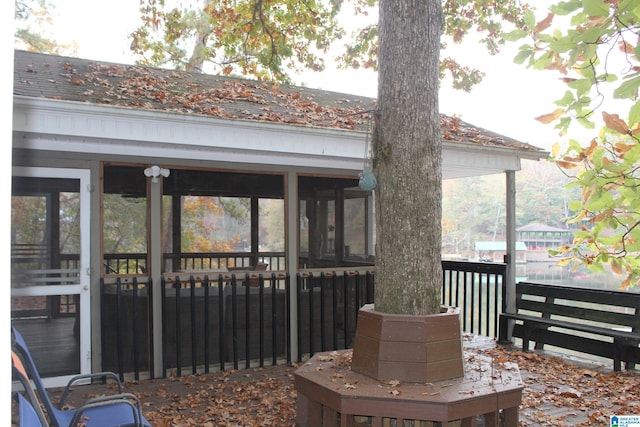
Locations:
407 159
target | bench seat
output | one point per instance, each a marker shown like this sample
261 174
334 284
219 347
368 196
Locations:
593 321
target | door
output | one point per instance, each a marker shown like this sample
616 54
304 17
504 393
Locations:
50 292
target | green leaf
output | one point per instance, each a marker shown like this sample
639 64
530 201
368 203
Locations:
514 35
628 6
595 7
522 56
586 123
628 89
530 19
636 51
581 86
634 114
566 100
575 205
579 19
542 62
566 7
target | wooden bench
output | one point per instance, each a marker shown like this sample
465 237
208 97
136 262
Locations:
594 321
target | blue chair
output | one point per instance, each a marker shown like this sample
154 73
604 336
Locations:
27 415
117 410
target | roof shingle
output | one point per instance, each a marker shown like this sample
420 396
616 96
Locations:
73 79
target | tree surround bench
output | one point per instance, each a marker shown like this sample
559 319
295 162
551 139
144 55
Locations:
594 321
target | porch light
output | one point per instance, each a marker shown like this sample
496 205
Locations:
155 171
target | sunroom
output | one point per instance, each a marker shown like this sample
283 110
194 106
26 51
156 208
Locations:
135 188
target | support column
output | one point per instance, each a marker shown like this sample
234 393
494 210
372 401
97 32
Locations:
510 284
96 262
176 234
292 255
255 231
155 271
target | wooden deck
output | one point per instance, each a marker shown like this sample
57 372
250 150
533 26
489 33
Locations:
552 395
52 344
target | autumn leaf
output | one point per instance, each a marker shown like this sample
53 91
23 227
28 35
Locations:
614 122
625 47
589 373
591 148
548 118
566 391
394 383
566 165
544 24
615 267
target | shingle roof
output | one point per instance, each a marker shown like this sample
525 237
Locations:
74 79
536 226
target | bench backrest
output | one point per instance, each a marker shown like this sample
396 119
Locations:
614 308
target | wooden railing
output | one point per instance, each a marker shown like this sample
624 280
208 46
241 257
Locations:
136 263
215 321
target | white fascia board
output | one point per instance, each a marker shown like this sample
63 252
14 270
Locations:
90 128
55 125
465 160
220 157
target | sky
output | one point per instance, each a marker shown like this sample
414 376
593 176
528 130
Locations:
506 102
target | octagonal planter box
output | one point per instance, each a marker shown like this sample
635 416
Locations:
407 347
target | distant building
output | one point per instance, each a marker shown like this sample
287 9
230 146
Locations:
491 251
539 238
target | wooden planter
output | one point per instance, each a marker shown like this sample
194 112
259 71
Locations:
330 394
407 371
408 348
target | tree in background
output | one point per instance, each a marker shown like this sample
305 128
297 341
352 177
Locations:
271 39
595 47
473 208
543 195
32 18
124 224
199 231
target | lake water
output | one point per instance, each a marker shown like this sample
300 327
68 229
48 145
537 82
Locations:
550 272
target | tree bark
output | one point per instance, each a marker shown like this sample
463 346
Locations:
407 159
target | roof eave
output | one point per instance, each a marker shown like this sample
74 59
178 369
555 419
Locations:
85 127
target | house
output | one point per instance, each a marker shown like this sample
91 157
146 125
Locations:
91 138
539 238
495 251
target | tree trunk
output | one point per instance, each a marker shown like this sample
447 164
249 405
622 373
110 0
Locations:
407 159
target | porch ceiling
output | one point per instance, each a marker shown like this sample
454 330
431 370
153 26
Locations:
112 111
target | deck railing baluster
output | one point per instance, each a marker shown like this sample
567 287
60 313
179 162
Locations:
326 316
